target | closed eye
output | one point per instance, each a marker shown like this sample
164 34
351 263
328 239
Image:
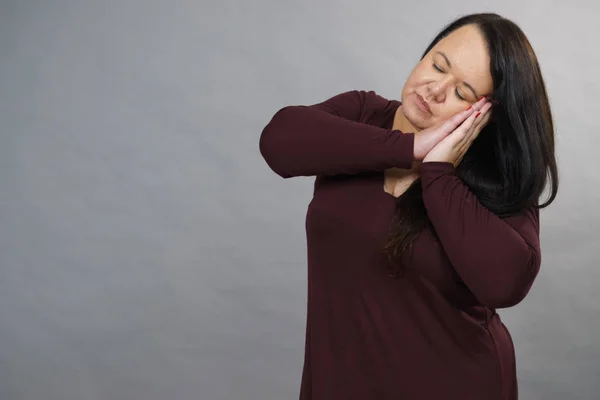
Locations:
456 90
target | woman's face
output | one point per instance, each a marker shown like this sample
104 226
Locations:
453 75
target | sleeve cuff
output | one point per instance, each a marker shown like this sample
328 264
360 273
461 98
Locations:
432 170
401 153
435 166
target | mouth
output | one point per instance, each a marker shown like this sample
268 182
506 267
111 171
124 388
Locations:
423 104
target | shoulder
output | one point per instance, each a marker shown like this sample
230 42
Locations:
377 109
365 106
365 98
370 98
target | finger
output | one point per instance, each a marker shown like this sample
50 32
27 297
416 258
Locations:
486 107
463 132
449 125
485 114
466 127
480 115
484 121
479 104
478 124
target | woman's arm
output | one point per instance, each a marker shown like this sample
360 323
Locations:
497 258
328 139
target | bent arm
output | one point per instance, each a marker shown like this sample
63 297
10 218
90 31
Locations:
497 258
327 139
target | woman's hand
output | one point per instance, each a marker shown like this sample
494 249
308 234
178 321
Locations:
459 132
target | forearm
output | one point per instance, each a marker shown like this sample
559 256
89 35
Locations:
327 139
497 260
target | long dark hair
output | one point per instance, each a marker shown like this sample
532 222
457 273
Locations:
508 165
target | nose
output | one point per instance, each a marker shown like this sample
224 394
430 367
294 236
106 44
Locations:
437 90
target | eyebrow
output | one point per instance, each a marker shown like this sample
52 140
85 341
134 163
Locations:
450 66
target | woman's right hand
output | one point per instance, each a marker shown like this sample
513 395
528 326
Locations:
427 139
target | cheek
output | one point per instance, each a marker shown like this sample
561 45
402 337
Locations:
416 77
450 110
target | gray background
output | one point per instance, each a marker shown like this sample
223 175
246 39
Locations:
146 249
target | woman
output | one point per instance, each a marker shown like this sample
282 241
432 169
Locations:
424 219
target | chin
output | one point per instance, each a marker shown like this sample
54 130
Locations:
416 119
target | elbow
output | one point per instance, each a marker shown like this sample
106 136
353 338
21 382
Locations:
272 144
511 288
508 297
271 152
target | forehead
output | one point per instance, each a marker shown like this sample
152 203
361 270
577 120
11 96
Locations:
466 49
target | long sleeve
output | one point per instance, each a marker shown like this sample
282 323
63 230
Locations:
328 138
497 258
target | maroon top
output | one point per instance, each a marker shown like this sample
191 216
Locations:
432 333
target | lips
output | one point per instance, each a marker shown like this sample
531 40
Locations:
423 104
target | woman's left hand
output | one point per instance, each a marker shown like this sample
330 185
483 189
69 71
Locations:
454 146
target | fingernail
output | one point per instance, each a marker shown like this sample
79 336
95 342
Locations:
469 108
477 115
